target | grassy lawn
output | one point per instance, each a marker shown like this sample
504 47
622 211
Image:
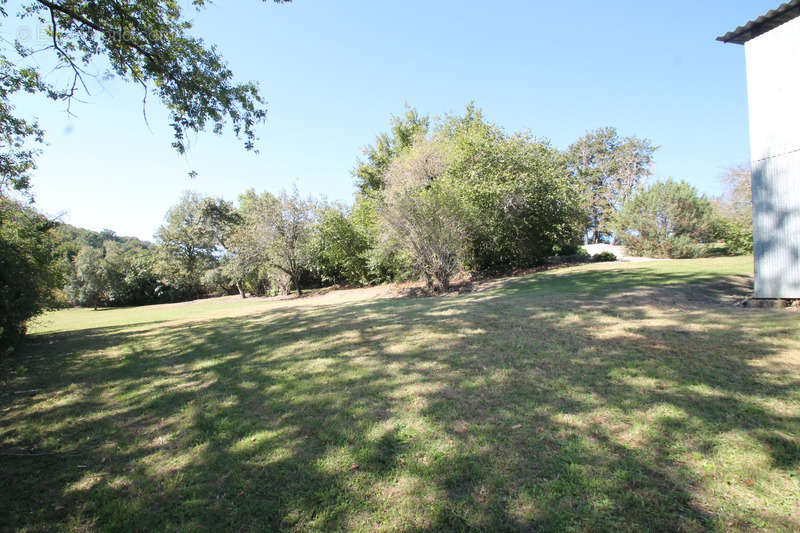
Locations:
627 397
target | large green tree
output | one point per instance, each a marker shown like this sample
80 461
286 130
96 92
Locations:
340 249
610 168
90 286
187 243
147 42
520 198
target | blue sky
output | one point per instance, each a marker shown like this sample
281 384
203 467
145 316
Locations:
333 72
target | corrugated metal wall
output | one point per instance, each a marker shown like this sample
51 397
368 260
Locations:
773 93
776 226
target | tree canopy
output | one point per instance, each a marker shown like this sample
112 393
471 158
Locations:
610 168
146 42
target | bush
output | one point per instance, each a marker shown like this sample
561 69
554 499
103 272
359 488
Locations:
522 204
667 219
28 270
569 249
604 257
424 212
738 236
340 249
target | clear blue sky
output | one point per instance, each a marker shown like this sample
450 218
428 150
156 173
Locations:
334 71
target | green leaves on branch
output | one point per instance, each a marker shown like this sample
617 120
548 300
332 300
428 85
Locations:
146 42
28 271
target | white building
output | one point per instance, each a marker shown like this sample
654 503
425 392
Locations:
772 51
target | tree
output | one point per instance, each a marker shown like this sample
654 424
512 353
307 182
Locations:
147 43
404 129
90 285
187 243
610 168
278 232
384 261
131 277
734 208
340 248
423 211
223 221
520 199
29 271
667 219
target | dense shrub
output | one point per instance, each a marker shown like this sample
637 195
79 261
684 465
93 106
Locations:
667 219
424 212
340 249
518 195
569 249
738 236
29 272
604 257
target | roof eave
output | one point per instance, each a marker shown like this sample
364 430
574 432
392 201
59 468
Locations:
766 22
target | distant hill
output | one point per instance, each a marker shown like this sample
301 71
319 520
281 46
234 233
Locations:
72 238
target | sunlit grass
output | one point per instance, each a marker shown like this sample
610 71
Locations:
603 397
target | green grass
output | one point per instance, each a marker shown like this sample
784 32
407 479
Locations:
625 397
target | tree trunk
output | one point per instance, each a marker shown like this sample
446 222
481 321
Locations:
241 290
445 283
297 285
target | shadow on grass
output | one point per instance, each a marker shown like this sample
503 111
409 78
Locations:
533 407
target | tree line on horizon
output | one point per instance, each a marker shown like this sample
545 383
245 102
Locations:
433 198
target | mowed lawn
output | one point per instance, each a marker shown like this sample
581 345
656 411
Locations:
624 397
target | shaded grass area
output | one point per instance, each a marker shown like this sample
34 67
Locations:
605 397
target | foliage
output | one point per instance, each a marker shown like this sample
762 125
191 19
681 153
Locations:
131 275
278 232
604 257
340 248
569 249
610 169
738 236
18 136
734 223
386 261
667 219
520 201
424 212
146 43
187 243
404 129
129 263
29 272
89 287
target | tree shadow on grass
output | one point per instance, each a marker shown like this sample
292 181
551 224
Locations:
534 407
